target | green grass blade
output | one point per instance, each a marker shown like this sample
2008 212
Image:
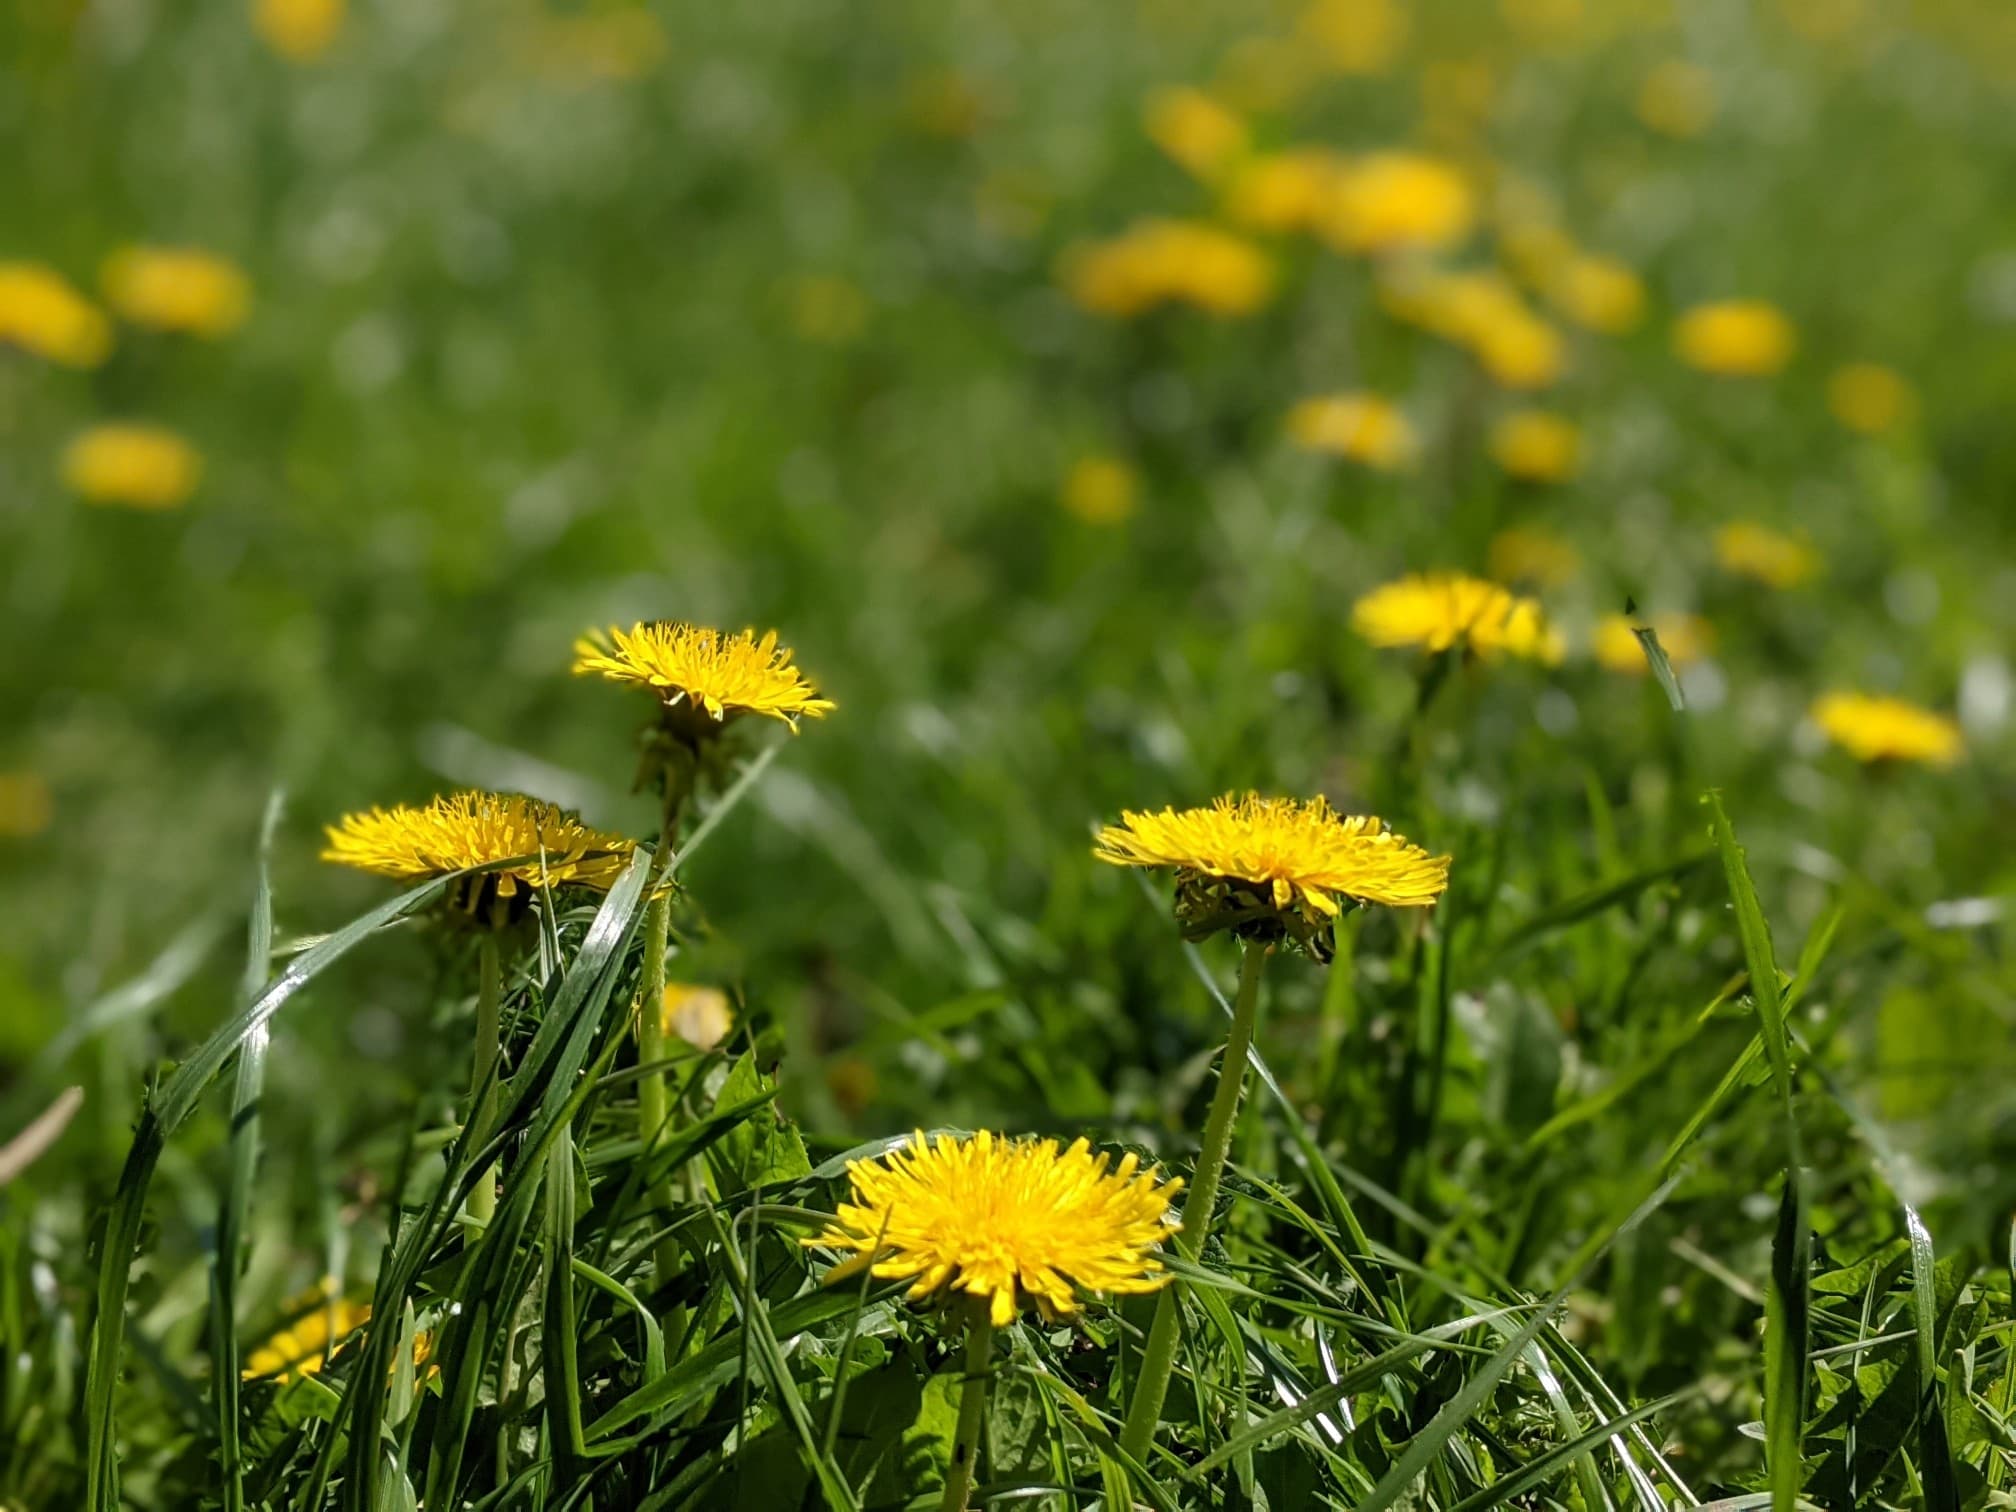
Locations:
1787 1314
1935 1454
1576 1450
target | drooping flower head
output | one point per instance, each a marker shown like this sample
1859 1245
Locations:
1014 1222
1440 610
177 289
553 848
133 466
1274 869
703 678
1887 729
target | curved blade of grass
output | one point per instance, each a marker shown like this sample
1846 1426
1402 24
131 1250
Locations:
1537 1470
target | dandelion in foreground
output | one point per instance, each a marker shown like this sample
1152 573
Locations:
709 675
1764 555
1735 338
1441 611
1359 426
1685 638
137 466
1876 729
41 313
552 847
1537 446
177 289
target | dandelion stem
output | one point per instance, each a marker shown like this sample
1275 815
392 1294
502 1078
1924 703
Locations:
654 1101
1158 1357
972 1407
482 1099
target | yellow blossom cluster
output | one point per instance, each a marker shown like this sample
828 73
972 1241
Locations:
1158 262
1440 611
1359 426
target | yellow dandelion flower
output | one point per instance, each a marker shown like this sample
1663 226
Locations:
177 289
1520 351
453 833
1764 555
1735 338
26 805
1275 869
1870 398
1399 202
692 666
1685 638
1160 262
1538 446
1011 1221
1677 99
1530 554
1354 37
1598 293
1887 729
698 1015
139 466
1197 133
1440 610
298 30
1359 426
304 1346
1102 490
1458 307
41 313
1283 191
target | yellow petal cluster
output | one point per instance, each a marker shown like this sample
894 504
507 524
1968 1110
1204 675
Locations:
177 289
138 466
1359 426
1537 446
726 675
1354 37
1284 191
1005 1220
1440 610
696 1014
1200 135
41 313
298 30
1482 311
1598 293
1301 853
1869 397
1160 261
1735 338
1887 729
304 1347
1685 638
1102 490
1389 202
453 833
1764 555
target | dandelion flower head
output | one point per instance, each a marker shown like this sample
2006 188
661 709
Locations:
1537 446
1869 398
138 466
1355 37
41 313
1400 202
464 830
700 668
1598 293
1102 490
1359 426
1685 638
1200 135
298 30
1887 729
696 1014
1440 610
304 1346
177 289
1764 555
1163 261
1283 191
1007 1221
1735 338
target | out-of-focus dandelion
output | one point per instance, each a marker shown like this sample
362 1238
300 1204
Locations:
1283 191
1388 202
1537 446
1102 490
1735 338
697 1014
1480 310
610 44
1456 99
1876 729
551 846
1598 293
1160 262
1764 555
303 1347
1685 638
26 805
1359 426
137 466
1440 611
299 30
1354 37
827 309
41 313
1532 554
1196 132
1677 99
1870 398
1520 352
177 289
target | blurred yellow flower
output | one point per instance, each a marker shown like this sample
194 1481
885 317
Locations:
1399 202
1520 352
1537 250
139 466
1102 490
1454 306
1200 135
40 312
827 309
1677 99
302 1348
1440 610
26 805
1356 37
698 1015
1537 445
1887 729
694 667
1598 293
1284 191
177 289
299 30
469 829
1169 261
1361 426
1735 338
1012 1222
1870 398
1532 554
1767 556
1685 638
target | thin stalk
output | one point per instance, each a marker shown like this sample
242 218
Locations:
1158 1356
483 1100
654 1099
972 1407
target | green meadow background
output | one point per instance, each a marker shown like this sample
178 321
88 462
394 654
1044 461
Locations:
750 315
